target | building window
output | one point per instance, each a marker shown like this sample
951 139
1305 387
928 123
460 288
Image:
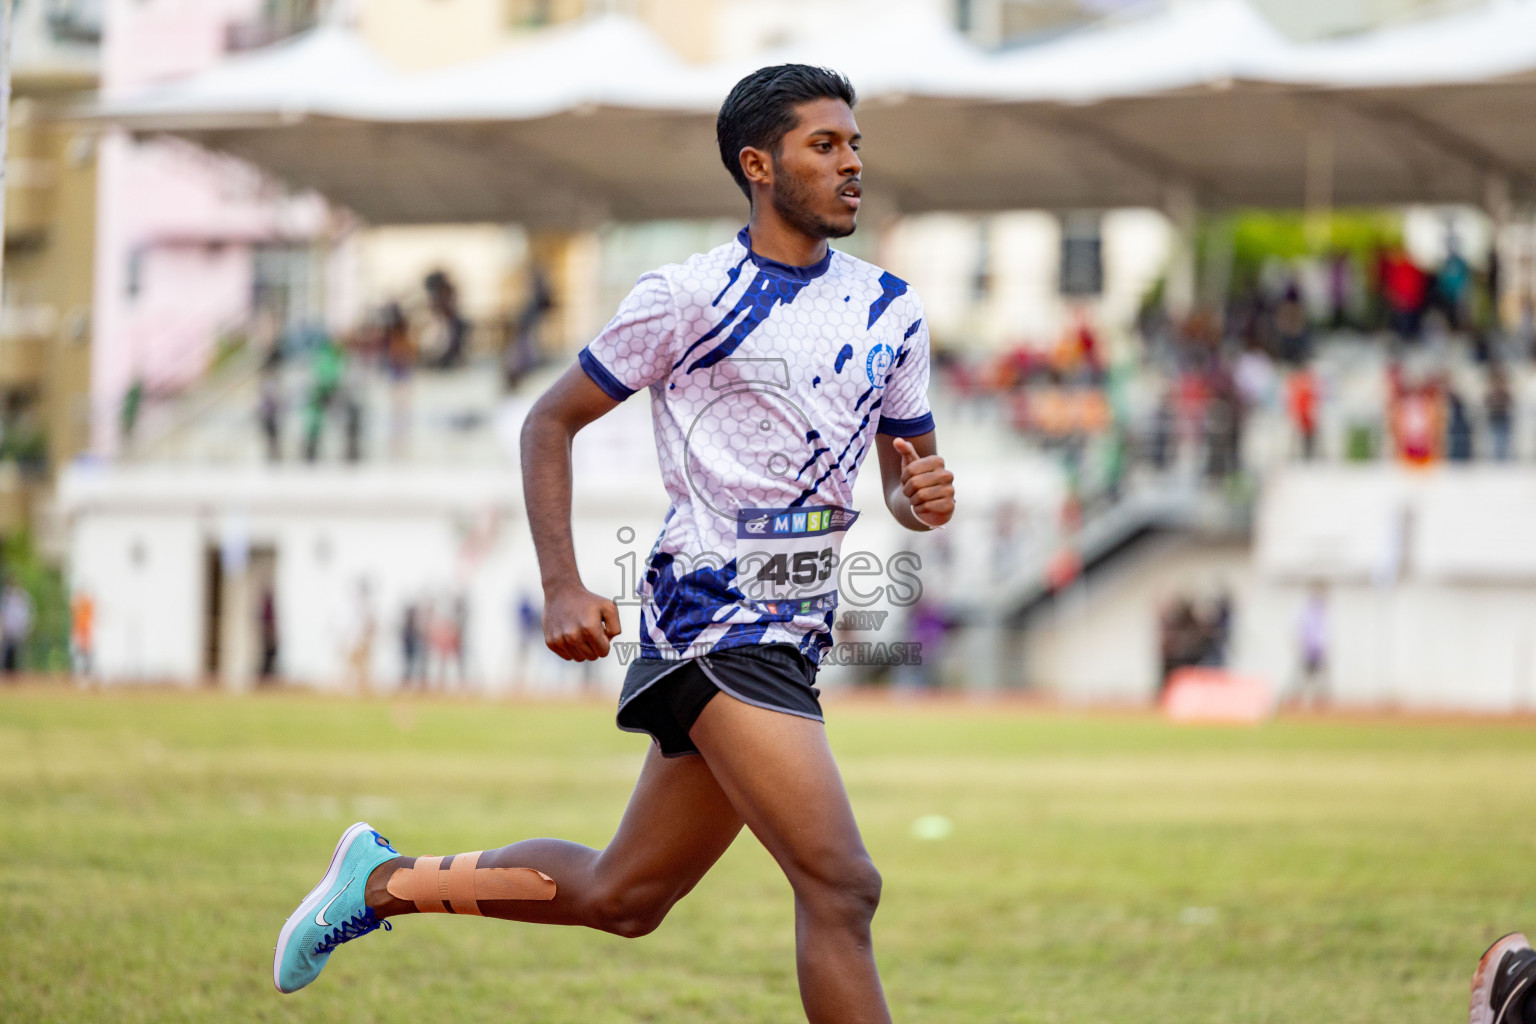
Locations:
1016 22
1082 255
276 20
529 13
74 21
287 287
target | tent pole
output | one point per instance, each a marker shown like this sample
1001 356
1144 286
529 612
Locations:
1181 207
1500 210
1319 187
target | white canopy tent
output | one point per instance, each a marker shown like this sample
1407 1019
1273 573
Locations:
598 121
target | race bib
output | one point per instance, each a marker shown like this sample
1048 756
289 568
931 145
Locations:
787 558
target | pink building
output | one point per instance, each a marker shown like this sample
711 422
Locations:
194 247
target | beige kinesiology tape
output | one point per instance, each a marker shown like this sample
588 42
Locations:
455 885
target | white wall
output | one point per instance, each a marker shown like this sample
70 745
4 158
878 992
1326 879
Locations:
1098 641
1430 579
940 255
145 572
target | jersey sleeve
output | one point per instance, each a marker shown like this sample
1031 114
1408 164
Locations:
905 412
636 349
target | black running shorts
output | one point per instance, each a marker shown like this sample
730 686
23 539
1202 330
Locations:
665 698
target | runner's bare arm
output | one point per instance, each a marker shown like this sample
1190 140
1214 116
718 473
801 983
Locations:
919 490
577 623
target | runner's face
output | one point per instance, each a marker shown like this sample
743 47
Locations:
816 186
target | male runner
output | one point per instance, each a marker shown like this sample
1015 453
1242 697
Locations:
774 363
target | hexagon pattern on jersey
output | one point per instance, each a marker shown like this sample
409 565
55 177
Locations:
768 383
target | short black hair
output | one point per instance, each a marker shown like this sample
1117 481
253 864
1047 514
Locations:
761 109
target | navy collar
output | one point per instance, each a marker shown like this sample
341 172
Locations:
794 273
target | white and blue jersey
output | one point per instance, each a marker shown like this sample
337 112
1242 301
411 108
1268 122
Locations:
768 383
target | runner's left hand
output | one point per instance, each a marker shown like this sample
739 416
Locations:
929 486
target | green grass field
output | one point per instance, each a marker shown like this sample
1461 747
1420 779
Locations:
1100 868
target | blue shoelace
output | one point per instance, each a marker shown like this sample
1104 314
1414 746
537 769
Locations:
352 928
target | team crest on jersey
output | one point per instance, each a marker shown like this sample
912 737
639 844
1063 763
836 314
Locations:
879 364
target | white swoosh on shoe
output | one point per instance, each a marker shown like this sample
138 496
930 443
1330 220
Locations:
320 914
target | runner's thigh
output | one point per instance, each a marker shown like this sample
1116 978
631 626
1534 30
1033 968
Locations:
676 826
778 772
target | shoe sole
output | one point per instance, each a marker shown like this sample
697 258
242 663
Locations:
312 901
1483 978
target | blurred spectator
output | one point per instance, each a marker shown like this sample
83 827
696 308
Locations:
522 350
1182 639
1160 450
1525 331
927 628
356 629
326 366
1404 288
1218 630
1291 327
449 332
1453 287
1417 417
270 413
1458 427
1254 375
1078 350
1341 289
1312 643
353 426
399 363
1499 406
269 648
1302 403
1224 425
16 614
460 613
82 633
1195 633
128 413
445 639
530 637
412 647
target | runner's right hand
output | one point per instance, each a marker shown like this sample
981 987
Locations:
578 624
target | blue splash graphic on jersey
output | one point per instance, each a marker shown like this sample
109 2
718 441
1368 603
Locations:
863 398
856 457
818 640
913 329
686 605
764 293
745 634
891 289
730 278
812 435
859 429
811 490
815 382
818 453
842 357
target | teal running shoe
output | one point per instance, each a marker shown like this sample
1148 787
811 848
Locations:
335 911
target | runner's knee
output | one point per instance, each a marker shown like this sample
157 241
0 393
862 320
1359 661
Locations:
631 911
846 889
